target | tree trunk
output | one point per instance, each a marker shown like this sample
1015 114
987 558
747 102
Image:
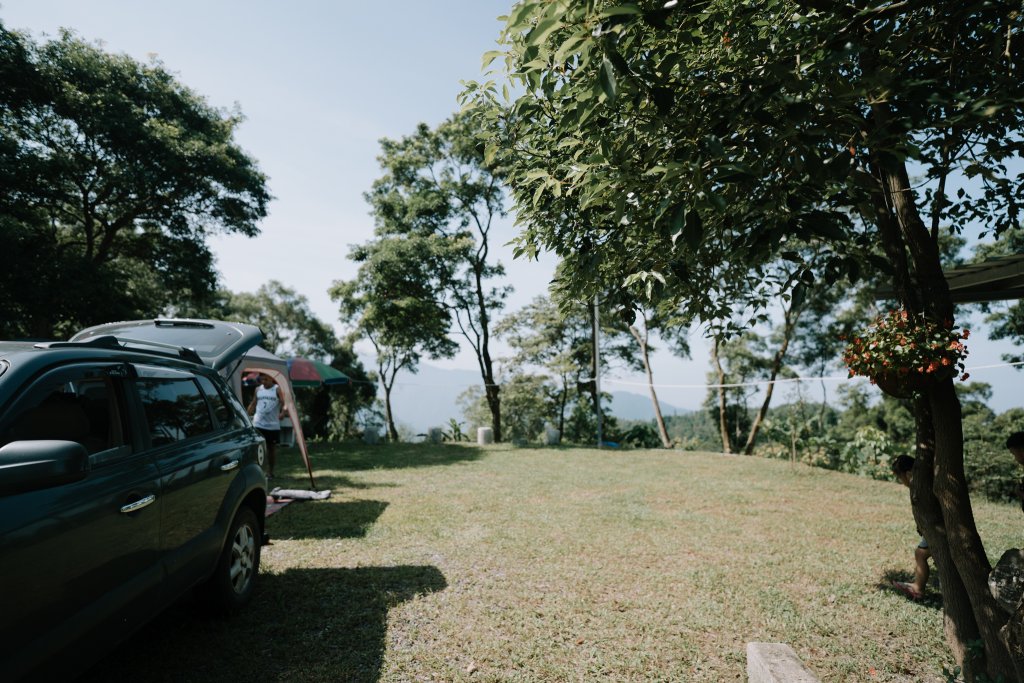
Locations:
965 546
494 403
959 624
563 399
646 357
392 432
723 423
790 318
943 509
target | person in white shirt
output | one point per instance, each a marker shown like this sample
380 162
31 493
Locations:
267 409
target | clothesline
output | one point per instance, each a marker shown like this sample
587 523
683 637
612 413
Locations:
756 383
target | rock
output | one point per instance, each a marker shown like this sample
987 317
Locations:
776 663
1006 580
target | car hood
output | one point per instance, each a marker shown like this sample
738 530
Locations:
217 343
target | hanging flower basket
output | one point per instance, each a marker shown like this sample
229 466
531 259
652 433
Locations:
905 385
905 353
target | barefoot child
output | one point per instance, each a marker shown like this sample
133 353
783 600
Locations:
903 468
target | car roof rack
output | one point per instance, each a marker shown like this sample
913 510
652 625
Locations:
109 341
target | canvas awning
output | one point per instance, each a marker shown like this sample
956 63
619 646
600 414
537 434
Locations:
999 278
995 279
258 359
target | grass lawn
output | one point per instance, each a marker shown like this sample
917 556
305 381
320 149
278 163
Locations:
466 563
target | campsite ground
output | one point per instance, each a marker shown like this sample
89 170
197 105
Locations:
466 563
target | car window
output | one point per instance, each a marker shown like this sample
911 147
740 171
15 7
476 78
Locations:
175 409
79 404
226 413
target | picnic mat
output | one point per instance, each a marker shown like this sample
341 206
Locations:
280 497
275 504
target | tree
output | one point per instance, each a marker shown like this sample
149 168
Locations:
557 337
703 138
669 329
290 328
113 175
527 400
437 188
734 364
391 303
543 337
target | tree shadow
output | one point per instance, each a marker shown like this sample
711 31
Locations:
303 624
355 456
325 519
932 598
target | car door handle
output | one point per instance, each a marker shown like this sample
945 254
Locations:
139 504
228 466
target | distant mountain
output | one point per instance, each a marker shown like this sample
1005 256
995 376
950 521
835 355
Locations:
430 398
629 406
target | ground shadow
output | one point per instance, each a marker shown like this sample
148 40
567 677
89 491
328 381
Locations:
325 519
932 597
303 625
355 456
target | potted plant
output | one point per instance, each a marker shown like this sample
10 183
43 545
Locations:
905 353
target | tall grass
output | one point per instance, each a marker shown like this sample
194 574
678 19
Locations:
461 563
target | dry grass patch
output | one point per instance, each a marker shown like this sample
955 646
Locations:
459 563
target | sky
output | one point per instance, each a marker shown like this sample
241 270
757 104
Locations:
320 82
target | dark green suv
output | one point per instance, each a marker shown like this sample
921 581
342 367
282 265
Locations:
129 475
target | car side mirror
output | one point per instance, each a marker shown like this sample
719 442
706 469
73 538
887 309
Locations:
33 465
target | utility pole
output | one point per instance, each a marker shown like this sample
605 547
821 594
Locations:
597 372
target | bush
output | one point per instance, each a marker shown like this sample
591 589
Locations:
991 471
642 436
869 454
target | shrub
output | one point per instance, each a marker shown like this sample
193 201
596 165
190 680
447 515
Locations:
869 454
642 436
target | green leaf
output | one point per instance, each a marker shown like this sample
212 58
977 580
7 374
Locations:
606 77
522 15
621 10
693 230
489 57
799 294
569 46
678 219
617 60
543 29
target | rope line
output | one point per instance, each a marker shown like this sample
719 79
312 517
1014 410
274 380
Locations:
757 383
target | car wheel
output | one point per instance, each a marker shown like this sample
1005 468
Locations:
231 586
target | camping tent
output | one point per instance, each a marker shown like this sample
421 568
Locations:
258 359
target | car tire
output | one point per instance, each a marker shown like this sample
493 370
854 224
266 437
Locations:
233 581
